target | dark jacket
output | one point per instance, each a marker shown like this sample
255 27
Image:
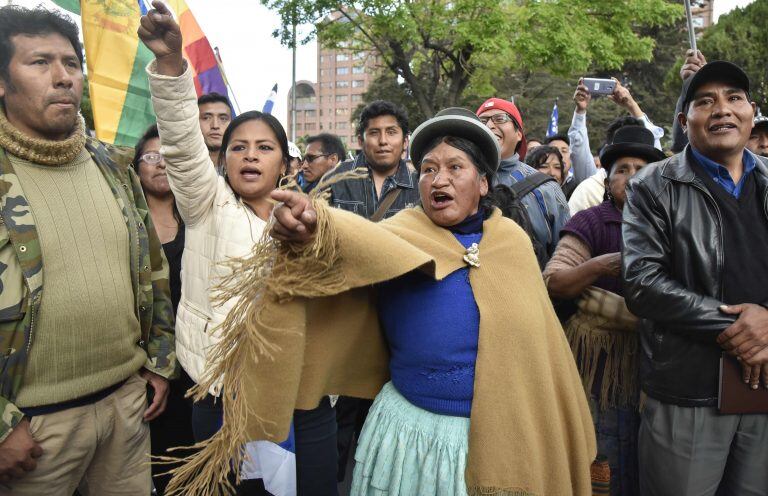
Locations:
672 268
359 195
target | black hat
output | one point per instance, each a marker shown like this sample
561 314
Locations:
719 70
760 120
461 123
630 141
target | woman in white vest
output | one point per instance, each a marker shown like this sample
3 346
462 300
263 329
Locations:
225 216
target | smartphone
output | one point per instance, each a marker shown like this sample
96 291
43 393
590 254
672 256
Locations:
598 86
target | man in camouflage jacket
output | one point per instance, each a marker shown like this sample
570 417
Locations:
36 445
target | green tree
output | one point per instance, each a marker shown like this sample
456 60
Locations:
440 49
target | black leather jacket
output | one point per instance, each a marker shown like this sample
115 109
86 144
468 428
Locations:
672 269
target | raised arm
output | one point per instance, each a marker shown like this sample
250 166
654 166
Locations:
191 174
693 62
581 154
623 98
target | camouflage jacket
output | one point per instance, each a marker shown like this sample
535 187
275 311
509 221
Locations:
21 275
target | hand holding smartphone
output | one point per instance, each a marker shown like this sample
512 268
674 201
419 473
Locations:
597 86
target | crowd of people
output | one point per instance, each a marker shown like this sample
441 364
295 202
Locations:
460 309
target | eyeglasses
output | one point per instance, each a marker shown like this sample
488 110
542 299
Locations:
496 118
311 158
151 158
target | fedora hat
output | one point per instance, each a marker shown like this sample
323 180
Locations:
630 141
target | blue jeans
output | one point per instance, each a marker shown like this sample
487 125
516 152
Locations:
316 452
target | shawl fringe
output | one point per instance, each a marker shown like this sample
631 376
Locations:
495 491
274 271
604 328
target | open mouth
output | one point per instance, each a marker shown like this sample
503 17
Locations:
722 128
250 174
440 199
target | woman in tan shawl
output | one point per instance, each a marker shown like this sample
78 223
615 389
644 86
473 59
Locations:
325 311
509 416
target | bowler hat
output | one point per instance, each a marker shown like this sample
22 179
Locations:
630 141
460 123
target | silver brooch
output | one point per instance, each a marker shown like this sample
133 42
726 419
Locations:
472 257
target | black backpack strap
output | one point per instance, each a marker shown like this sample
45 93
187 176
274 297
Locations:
530 183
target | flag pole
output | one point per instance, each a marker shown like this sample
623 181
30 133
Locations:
224 77
293 86
691 30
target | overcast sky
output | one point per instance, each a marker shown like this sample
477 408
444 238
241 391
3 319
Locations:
254 60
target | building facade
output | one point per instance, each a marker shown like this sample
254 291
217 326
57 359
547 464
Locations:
702 13
343 76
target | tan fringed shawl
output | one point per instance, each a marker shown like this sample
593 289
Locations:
604 327
307 327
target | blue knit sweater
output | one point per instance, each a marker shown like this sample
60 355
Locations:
432 329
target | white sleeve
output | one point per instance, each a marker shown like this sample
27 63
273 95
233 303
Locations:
191 174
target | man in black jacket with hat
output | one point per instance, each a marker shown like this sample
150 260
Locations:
692 226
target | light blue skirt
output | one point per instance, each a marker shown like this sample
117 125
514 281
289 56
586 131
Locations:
404 450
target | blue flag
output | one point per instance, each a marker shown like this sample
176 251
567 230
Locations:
552 128
270 101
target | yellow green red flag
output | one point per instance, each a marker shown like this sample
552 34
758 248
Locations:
116 60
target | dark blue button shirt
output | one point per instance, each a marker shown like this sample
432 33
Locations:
720 174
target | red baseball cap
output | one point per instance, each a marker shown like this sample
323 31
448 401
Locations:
511 109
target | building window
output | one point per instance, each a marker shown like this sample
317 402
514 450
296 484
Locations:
322 59
341 98
342 84
358 83
341 57
342 111
357 98
341 125
359 56
358 69
324 72
340 71
326 84
309 113
309 126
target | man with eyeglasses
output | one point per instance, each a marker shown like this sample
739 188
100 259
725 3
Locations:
546 205
324 151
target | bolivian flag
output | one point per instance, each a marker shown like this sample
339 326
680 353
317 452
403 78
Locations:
116 62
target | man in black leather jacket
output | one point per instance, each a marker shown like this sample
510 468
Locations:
695 230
